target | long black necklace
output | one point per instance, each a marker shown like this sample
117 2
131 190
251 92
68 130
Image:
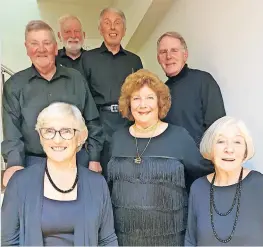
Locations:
213 206
58 189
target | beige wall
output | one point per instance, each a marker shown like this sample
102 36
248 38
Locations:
225 38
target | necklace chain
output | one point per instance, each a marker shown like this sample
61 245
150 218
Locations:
58 189
138 158
213 206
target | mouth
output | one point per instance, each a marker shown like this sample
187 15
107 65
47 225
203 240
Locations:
113 35
144 113
228 159
58 149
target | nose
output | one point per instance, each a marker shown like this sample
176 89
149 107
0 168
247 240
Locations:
57 138
42 48
73 35
112 26
142 103
168 55
229 148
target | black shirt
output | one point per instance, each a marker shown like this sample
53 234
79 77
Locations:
106 72
63 59
196 101
27 93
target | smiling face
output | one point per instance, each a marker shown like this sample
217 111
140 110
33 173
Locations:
229 149
71 35
144 106
42 49
172 55
58 149
112 28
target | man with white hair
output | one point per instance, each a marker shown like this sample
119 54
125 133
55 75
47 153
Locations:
72 36
105 69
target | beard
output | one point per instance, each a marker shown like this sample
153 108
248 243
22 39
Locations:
73 48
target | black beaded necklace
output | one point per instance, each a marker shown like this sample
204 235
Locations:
58 189
213 206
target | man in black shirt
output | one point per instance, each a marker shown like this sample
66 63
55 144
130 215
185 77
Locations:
72 37
196 97
29 91
105 69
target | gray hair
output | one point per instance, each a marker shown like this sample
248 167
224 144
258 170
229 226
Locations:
60 109
175 35
212 133
38 25
64 18
114 10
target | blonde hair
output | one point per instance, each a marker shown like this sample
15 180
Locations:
175 35
212 133
38 25
60 109
135 82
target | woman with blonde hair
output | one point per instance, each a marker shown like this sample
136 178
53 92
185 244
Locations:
148 168
225 207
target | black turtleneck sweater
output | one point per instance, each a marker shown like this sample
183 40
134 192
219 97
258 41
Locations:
196 101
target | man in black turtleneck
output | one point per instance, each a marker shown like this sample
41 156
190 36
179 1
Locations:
196 97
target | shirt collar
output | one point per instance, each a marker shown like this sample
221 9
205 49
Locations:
180 75
62 53
61 71
103 48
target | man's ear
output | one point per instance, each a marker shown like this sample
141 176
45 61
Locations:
59 36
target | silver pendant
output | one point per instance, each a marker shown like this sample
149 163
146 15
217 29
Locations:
137 160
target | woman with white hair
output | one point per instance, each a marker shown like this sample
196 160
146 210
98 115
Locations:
58 202
226 207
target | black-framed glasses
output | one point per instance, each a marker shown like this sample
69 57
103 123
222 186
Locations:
50 133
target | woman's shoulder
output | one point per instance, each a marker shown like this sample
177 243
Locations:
199 184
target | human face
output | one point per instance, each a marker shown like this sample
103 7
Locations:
171 55
144 106
112 28
42 49
58 149
72 35
229 150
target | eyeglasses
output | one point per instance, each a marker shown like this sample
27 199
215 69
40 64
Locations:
50 133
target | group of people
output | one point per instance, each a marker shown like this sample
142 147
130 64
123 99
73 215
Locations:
77 114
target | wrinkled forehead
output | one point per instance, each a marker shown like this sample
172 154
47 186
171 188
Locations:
71 24
168 42
229 131
111 15
59 122
40 35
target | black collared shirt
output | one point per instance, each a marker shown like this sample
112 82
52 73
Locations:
106 72
63 59
26 93
196 101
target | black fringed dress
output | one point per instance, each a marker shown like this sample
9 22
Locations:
150 199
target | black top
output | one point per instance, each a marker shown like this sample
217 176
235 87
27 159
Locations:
63 59
249 230
27 93
196 101
150 199
58 222
106 72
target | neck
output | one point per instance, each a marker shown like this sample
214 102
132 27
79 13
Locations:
113 48
63 165
47 73
225 178
73 55
145 126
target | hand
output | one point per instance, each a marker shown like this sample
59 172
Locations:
95 166
9 173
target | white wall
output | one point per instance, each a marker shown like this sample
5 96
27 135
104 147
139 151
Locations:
225 37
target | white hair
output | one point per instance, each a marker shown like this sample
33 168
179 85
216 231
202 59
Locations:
64 18
114 10
212 133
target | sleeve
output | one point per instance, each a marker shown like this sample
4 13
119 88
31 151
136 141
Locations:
10 214
195 165
95 139
138 64
107 236
190 235
213 104
13 146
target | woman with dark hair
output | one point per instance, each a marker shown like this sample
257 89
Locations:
148 166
